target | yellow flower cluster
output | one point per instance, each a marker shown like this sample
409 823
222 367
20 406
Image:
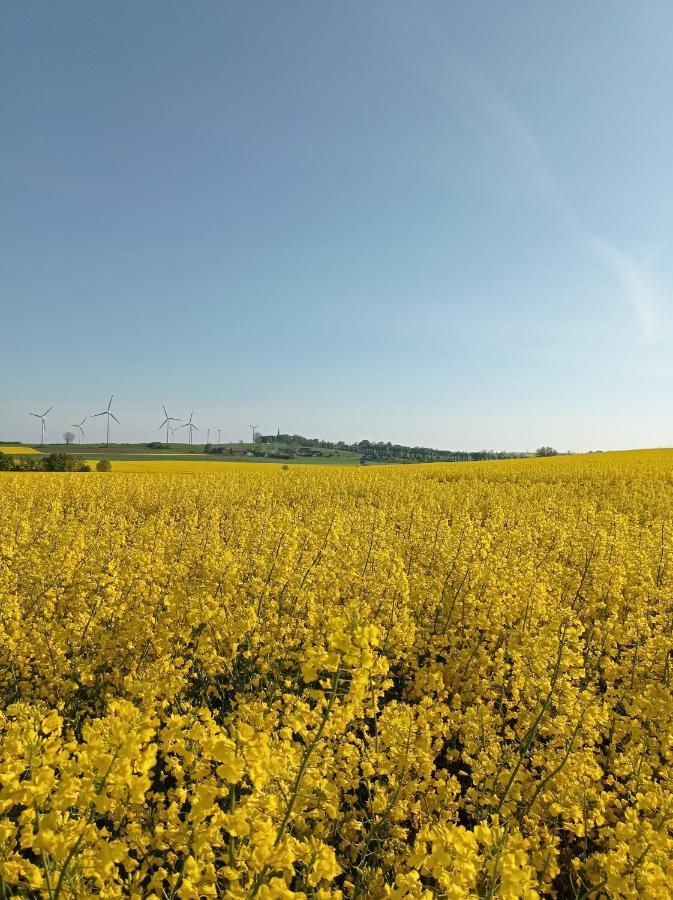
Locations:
447 681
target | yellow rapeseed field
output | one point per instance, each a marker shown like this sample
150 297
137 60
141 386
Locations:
411 682
167 466
18 449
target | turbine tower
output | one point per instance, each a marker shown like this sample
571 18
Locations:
81 430
107 412
254 428
219 432
41 417
167 422
191 427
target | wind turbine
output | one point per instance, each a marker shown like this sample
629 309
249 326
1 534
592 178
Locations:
108 413
81 430
190 426
208 437
167 422
254 428
219 432
41 417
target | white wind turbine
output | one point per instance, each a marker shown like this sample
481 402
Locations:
167 422
41 417
190 426
81 430
107 412
254 429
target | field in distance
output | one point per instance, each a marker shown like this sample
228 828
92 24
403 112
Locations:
233 452
187 465
17 450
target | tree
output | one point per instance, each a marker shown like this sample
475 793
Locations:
30 464
63 462
68 437
103 465
546 451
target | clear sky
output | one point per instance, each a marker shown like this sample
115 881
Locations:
447 224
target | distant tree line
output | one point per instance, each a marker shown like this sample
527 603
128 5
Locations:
52 462
380 451
388 452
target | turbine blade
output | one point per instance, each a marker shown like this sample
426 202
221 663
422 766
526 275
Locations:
110 403
104 413
37 415
115 418
165 412
48 411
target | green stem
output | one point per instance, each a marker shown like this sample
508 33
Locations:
43 855
532 731
555 771
298 779
87 820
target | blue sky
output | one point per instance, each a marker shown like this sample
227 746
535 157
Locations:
448 224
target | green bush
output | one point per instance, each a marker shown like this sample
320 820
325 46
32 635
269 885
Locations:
63 462
57 462
103 465
30 464
6 463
